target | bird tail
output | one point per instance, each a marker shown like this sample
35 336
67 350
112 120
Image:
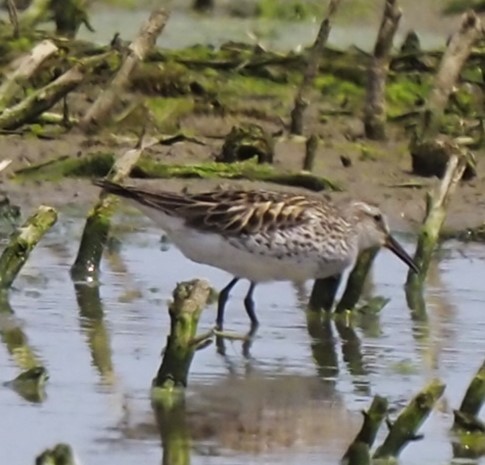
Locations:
114 188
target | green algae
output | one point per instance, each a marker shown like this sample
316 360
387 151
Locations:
99 164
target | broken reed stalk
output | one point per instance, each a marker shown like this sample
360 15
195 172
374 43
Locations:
373 419
357 454
69 15
147 36
436 214
452 62
375 104
98 222
21 244
13 16
37 11
466 417
356 280
323 293
303 94
13 83
311 147
189 299
324 290
36 103
405 428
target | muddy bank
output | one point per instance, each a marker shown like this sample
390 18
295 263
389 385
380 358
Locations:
383 177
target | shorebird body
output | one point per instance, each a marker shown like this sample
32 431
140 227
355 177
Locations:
261 257
264 236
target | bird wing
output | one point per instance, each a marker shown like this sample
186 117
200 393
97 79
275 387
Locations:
231 212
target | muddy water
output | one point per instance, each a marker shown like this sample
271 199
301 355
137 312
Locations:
294 399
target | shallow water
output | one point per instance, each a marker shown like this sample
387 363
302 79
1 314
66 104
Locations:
185 29
290 402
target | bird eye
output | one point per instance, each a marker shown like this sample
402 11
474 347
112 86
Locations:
377 217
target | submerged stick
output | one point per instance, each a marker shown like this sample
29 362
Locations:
355 282
99 112
375 104
405 428
98 222
13 83
22 243
302 95
189 299
466 415
436 214
452 62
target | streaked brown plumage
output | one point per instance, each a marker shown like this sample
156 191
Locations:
264 236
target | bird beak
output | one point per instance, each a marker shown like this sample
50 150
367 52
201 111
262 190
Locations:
397 249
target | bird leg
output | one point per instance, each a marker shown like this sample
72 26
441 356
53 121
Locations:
249 306
221 303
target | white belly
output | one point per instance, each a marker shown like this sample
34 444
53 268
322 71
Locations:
215 250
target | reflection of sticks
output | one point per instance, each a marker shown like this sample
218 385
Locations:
302 96
92 320
189 299
368 432
323 345
22 243
138 49
174 431
375 105
15 339
466 416
405 428
352 354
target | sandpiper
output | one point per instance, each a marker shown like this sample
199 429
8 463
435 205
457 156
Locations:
264 236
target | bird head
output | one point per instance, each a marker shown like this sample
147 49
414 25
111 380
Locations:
373 231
